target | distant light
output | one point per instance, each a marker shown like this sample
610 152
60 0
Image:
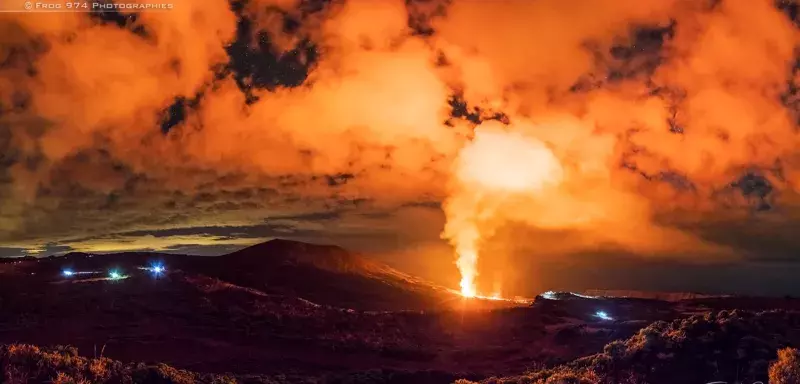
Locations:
157 269
549 295
115 275
603 315
67 272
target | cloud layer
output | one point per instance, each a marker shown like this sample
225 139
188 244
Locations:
674 121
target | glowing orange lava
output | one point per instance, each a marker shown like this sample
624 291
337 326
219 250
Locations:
468 286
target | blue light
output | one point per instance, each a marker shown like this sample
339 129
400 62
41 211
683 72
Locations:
603 315
67 272
114 275
550 295
157 269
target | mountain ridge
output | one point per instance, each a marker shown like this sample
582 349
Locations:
325 256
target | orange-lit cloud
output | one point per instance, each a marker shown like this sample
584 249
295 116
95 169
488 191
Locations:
657 115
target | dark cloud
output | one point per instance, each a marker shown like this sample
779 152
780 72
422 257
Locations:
642 55
125 21
755 188
204 250
338 179
281 226
12 252
176 113
256 62
421 13
312 216
769 279
476 114
761 237
791 8
46 249
424 204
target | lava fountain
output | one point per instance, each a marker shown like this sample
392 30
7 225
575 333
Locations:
496 166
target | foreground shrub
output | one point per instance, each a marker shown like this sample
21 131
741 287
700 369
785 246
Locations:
786 370
20 363
727 346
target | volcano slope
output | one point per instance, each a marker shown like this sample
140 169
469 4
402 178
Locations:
298 312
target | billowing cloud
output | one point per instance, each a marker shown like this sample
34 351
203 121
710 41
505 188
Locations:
665 119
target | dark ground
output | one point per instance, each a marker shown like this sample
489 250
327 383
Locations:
284 308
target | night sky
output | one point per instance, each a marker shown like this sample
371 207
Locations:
221 124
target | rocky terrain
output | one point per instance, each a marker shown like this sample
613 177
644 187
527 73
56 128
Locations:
285 311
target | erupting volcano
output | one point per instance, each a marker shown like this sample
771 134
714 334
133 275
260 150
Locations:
498 167
288 183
